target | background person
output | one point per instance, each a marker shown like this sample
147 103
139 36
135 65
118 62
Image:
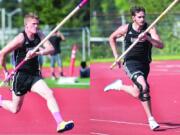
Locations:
84 70
55 40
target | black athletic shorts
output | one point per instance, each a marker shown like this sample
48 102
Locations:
132 67
23 81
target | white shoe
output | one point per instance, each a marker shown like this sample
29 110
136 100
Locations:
153 124
114 86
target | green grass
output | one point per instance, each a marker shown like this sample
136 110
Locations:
102 60
80 83
166 57
66 63
154 57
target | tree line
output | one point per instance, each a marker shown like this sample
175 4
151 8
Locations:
50 11
118 6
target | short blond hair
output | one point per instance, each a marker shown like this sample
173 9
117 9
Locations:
31 16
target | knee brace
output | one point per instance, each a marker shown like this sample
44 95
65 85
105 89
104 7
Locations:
144 93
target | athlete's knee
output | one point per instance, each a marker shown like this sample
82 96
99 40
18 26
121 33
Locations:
135 80
136 92
143 88
144 94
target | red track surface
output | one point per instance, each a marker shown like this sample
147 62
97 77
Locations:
35 119
117 113
112 113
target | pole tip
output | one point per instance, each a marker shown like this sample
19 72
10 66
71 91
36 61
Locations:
83 2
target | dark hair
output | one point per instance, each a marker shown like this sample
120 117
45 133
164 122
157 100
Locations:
137 9
83 64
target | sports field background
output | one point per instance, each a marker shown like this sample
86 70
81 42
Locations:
106 18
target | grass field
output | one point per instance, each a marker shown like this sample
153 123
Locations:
79 83
82 83
47 64
154 57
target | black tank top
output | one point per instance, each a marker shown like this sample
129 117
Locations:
31 66
55 41
142 50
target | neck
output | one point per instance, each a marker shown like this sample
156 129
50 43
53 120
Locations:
137 27
29 34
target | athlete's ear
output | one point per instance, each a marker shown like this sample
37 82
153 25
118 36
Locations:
26 25
133 18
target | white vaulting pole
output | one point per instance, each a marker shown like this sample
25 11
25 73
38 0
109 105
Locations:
60 24
152 25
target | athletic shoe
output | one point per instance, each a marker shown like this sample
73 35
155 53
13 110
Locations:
65 126
114 86
153 124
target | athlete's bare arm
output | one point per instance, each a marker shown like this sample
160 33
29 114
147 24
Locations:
121 31
11 46
155 39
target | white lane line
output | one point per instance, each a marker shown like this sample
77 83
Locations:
119 122
94 133
130 123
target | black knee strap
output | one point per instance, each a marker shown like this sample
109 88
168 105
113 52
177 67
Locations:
144 94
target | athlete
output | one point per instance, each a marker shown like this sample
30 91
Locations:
55 40
28 78
137 62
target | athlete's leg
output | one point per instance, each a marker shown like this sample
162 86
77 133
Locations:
130 68
43 90
146 102
13 105
131 90
119 86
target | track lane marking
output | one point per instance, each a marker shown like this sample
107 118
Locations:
130 123
95 133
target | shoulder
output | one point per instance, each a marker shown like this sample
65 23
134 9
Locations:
19 39
122 30
124 27
16 42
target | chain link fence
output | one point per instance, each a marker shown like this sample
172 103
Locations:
73 36
102 25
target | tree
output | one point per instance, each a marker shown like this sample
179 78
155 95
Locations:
53 11
50 11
